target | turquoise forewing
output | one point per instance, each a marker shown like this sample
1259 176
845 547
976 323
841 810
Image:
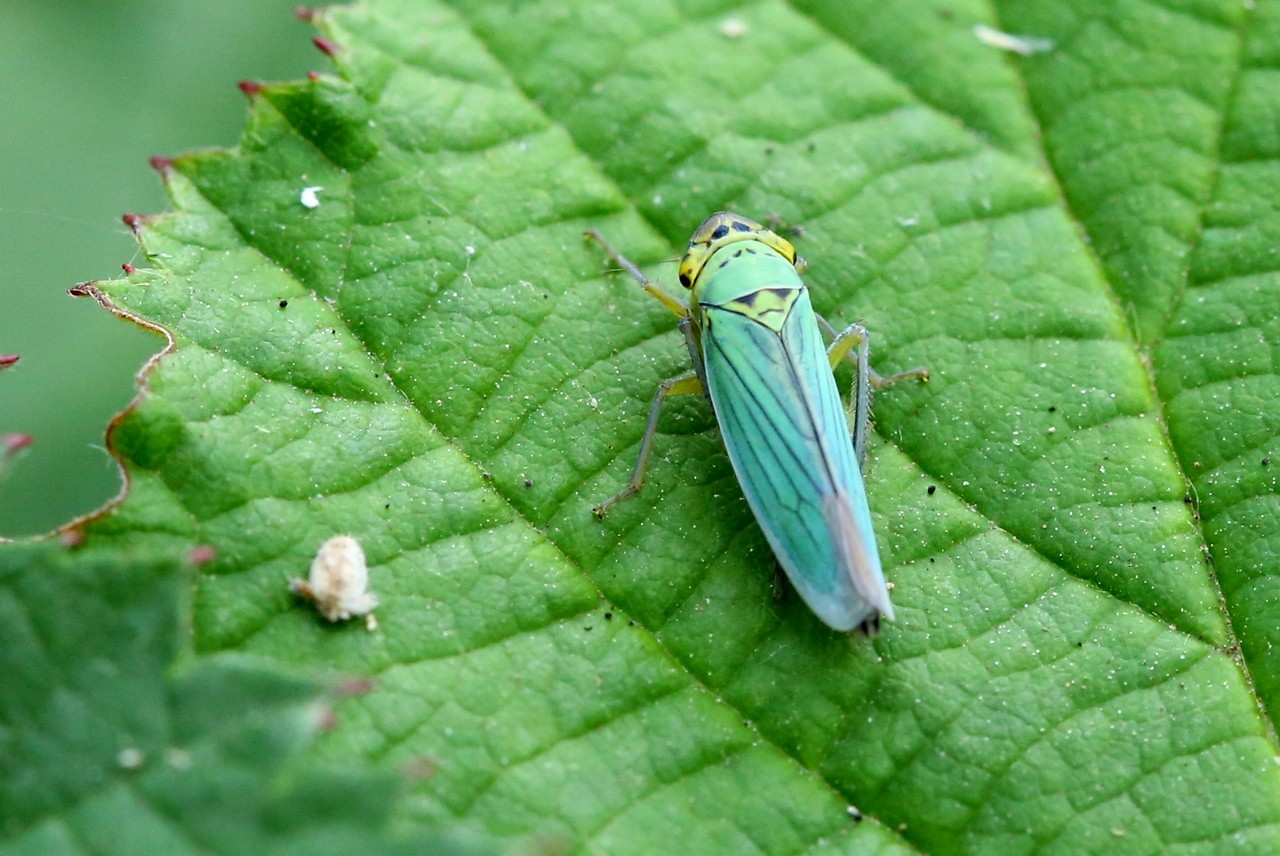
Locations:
785 429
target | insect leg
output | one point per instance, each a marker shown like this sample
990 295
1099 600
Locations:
867 379
674 304
685 384
780 586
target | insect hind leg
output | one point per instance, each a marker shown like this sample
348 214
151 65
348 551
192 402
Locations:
854 343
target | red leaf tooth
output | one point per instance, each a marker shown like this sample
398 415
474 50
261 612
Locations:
313 76
14 443
202 554
161 165
354 686
304 13
250 87
327 47
135 222
84 289
7 360
71 538
128 268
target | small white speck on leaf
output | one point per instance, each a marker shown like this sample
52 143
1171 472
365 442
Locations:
130 758
339 581
1022 45
178 759
733 28
310 196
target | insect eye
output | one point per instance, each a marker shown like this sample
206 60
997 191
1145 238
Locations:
684 280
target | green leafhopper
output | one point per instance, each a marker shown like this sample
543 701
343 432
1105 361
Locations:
758 354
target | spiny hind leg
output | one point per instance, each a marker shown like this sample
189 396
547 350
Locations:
854 343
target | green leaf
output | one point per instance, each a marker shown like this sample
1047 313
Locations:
100 752
1076 243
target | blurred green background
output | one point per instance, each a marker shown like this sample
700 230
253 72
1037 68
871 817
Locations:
92 88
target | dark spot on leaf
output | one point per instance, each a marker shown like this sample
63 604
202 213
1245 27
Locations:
933 488
284 304
608 616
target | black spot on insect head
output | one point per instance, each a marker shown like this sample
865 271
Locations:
684 280
721 231
739 226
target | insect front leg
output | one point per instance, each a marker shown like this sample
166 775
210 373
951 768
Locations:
855 336
674 304
685 384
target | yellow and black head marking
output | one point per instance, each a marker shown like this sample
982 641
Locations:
723 228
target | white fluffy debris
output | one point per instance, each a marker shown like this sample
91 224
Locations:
339 581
